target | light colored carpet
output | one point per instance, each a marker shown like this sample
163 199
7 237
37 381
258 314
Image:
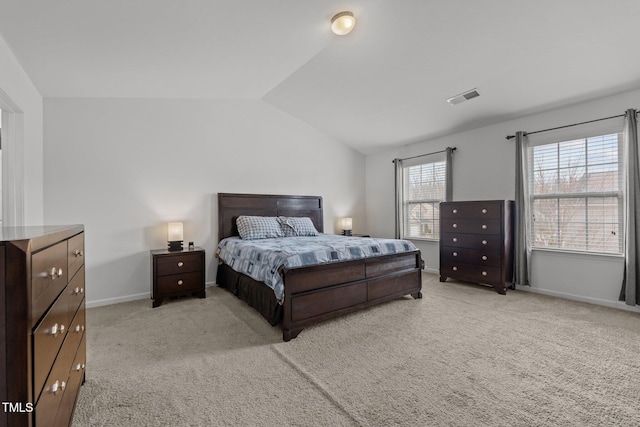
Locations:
461 356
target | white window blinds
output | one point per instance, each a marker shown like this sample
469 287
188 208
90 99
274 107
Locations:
576 194
423 188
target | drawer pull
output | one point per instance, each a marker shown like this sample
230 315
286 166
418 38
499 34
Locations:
55 273
180 264
455 254
77 253
484 257
78 291
455 239
79 367
484 226
455 225
484 273
78 329
484 211
180 282
455 211
57 386
455 268
484 242
56 330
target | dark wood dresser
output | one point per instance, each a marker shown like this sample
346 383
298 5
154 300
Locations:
42 324
476 242
176 273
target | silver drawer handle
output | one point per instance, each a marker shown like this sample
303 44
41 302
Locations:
484 211
79 367
484 226
455 225
57 386
180 264
56 330
484 257
77 253
455 211
55 273
78 290
484 242
78 329
484 273
455 254
455 268
455 239
180 282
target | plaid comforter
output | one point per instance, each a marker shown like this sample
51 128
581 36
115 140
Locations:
262 259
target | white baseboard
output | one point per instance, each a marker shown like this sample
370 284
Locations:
620 305
117 300
431 270
127 298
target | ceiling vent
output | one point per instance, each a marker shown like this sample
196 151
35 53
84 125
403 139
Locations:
470 94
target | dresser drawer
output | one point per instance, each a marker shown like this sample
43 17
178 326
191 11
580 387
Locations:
179 264
49 277
489 209
472 272
459 240
74 292
75 254
180 283
450 255
76 376
475 226
47 340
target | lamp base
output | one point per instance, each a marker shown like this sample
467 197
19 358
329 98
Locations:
346 232
175 246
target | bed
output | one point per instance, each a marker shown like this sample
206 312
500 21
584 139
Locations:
312 293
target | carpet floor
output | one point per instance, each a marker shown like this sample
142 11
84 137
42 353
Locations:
461 356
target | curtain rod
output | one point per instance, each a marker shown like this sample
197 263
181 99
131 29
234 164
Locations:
422 155
568 126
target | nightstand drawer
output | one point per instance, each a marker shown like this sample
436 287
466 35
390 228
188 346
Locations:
182 263
179 283
474 209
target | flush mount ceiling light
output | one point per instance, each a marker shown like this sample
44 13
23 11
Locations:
342 23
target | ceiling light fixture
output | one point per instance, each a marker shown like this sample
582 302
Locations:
342 23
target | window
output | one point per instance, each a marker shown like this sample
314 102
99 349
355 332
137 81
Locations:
576 194
423 188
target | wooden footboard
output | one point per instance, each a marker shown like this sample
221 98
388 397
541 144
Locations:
326 291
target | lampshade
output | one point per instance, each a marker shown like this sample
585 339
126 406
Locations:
346 223
342 23
175 232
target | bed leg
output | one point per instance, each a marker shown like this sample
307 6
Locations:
289 334
417 295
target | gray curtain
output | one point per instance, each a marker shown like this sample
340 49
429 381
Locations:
449 179
630 284
522 244
398 181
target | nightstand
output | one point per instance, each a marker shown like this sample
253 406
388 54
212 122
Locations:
177 273
359 235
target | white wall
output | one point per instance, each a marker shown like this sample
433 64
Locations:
126 167
484 168
18 93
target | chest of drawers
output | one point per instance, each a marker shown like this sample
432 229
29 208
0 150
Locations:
177 273
42 324
476 242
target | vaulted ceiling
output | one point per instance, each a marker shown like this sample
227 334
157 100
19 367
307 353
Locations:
384 84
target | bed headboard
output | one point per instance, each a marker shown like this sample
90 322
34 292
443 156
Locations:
231 206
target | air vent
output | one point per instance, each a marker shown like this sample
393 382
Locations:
470 94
